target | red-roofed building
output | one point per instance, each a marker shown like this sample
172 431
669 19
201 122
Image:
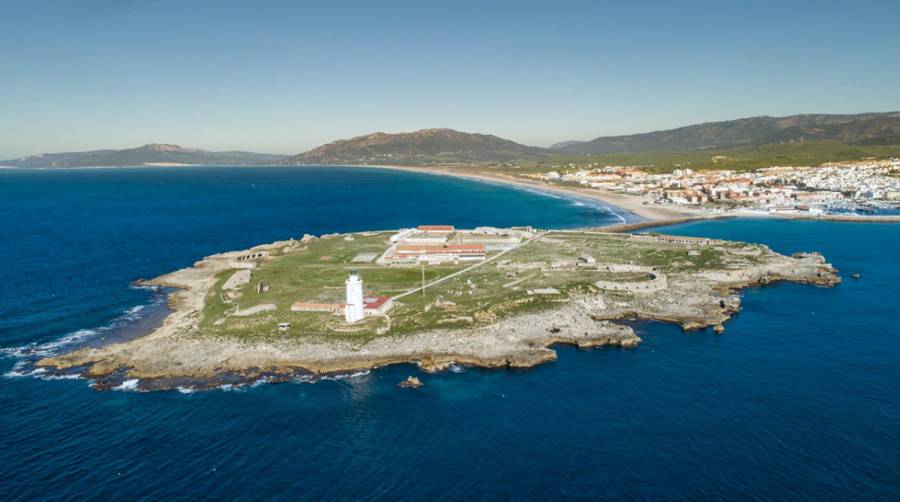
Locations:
377 305
439 229
418 253
372 305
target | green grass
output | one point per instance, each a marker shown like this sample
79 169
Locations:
317 273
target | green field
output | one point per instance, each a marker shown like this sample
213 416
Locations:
316 272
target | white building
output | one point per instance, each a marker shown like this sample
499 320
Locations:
353 308
402 234
424 238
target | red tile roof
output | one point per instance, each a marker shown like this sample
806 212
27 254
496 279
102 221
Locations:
375 302
446 248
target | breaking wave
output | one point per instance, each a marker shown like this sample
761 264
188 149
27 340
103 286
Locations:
130 385
28 354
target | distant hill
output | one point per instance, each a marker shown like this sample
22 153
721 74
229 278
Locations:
860 129
154 153
426 146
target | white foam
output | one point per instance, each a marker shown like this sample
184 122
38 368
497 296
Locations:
347 376
67 376
128 385
186 390
35 350
260 381
17 371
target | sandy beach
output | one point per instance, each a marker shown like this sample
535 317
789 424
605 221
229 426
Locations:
631 203
652 214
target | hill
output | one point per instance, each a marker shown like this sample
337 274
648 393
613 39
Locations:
860 129
153 153
427 146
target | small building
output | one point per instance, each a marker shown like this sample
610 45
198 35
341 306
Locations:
425 238
675 239
439 254
402 234
586 259
442 229
542 291
490 239
331 308
377 305
364 258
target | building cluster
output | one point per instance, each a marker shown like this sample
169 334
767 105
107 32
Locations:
356 307
439 244
423 245
870 182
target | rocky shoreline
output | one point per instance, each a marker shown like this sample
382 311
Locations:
176 355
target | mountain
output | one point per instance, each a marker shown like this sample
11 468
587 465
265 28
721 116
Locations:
153 153
564 144
859 129
420 147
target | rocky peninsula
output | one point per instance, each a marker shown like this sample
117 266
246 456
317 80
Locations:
264 312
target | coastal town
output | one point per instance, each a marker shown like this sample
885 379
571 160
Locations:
858 187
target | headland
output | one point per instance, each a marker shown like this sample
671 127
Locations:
433 296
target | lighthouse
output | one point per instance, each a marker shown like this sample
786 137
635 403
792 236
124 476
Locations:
353 308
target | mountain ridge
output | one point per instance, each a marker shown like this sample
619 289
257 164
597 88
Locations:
420 146
150 153
443 146
853 129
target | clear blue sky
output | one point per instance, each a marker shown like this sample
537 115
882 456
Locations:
283 76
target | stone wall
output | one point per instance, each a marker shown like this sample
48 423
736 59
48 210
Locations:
656 282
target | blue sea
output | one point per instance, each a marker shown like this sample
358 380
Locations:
798 399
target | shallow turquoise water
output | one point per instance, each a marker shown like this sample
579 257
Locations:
800 398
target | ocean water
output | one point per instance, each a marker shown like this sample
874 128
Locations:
799 399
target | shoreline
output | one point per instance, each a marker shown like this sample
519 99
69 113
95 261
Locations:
654 215
177 352
642 213
535 348
630 203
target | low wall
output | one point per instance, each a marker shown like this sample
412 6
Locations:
622 268
657 282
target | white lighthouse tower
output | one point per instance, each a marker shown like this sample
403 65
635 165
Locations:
353 309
